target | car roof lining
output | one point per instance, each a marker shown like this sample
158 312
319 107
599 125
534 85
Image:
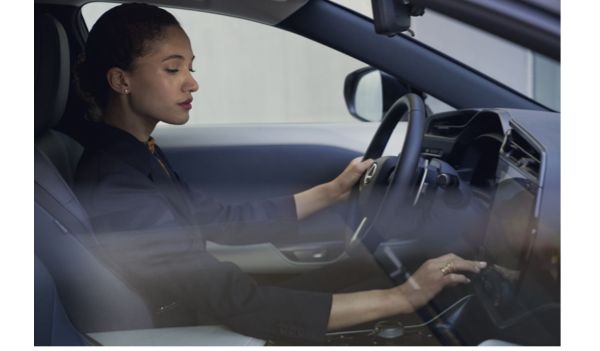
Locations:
268 12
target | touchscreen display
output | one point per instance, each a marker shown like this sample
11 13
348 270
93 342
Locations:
508 236
508 228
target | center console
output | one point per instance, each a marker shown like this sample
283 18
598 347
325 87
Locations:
505 288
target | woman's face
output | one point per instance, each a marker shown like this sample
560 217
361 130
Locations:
161 82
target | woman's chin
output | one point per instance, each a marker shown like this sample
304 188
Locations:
179 120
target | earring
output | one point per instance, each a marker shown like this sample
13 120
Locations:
126 91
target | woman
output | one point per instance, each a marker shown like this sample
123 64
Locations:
152 227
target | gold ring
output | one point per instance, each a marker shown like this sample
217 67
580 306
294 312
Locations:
448 268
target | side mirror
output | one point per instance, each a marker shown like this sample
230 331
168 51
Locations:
369 93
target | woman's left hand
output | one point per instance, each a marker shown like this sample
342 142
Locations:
345 181
327 194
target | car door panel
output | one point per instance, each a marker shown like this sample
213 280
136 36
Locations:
246 162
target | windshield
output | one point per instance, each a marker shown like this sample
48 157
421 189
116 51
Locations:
521 69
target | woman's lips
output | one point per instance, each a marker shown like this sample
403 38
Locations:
186 105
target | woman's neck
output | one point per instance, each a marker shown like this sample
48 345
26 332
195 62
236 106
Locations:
123 118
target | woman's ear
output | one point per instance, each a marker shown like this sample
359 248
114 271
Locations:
118 80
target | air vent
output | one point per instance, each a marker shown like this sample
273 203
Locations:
450 126
522 153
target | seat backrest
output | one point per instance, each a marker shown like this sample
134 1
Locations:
94 298
63 151
51 74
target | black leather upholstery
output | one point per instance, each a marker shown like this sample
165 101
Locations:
94 299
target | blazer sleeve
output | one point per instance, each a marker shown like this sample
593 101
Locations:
245 223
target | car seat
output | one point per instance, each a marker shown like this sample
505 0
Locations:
94 299
76 294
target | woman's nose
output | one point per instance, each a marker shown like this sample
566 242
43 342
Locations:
191 84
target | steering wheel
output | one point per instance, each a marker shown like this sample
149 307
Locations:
388 187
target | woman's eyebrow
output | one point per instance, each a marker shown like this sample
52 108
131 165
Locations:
176 56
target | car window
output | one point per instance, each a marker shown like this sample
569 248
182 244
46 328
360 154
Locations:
525 71
253 73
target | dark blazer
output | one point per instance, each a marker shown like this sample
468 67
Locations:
151 228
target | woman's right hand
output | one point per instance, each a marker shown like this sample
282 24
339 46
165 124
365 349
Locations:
359 307
433 276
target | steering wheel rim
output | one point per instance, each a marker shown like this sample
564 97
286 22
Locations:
399 183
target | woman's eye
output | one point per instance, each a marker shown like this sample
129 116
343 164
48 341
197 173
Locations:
192 70
172 70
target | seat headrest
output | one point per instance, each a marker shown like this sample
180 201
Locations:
51 72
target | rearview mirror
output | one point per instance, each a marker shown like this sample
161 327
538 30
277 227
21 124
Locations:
393 16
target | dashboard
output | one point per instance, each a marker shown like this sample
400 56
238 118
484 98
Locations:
511 159
503 208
